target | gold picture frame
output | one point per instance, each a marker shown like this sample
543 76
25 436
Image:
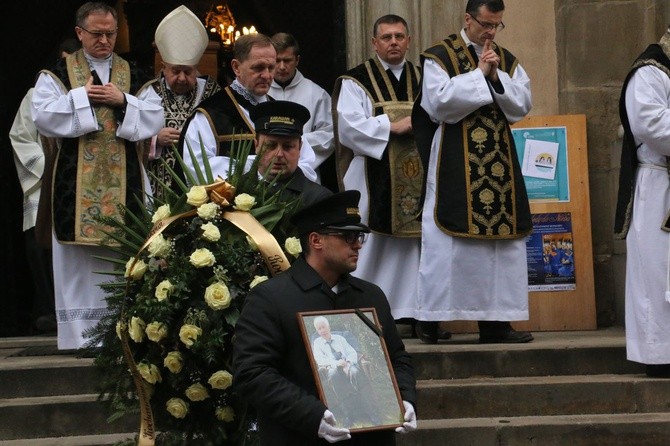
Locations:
353 371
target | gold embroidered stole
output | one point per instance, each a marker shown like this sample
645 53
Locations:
101 162
400 199
403 157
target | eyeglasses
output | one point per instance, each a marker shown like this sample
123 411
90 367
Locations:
386 38
98 34
350 237
489 26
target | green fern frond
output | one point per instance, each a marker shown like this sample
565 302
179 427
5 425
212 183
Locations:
141 222
114 260
205 162
142 206
187 172
169 194
195 164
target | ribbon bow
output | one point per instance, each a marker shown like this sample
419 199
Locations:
221 192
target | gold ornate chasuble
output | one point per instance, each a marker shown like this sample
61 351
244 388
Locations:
101 159
480 190
395 181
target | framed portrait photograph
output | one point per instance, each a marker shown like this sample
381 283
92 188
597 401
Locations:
352 369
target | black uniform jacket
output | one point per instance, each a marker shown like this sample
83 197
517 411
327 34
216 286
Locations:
298 185
271 367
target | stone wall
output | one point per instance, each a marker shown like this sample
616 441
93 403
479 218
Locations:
577 53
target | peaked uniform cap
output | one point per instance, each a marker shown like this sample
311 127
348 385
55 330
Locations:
337 212
181 37
284 118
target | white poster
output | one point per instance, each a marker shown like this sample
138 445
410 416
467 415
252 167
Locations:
540 159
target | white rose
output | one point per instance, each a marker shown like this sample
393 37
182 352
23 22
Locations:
244 202
156 331
188 334
221 380
226 414
292 245
208 211
174 361
149 372
177 407
202 257
163 290
138 269
136 329
197 196
217 296
257 280
210 232
159 246
197 392
161 213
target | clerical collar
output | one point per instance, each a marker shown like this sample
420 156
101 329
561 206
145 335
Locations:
246 94
396 69
468 42
102 67
98 60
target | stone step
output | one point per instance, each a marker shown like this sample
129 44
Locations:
648 429
572 388
58 416
551 353
547 395
437 399
46 376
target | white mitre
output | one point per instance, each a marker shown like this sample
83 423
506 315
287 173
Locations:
181 37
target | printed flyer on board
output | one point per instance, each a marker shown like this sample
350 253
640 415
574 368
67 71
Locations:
550 252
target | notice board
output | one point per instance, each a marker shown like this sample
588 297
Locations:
553 155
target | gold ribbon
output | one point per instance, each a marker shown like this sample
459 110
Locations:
223 194
272 253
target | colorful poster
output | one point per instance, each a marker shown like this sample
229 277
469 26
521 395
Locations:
550 252
543 155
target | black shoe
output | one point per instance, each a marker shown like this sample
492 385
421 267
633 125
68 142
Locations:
427 332
46 324
511 337
501 332
443 334
658 370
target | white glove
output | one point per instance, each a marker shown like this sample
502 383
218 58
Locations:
329 432
410 419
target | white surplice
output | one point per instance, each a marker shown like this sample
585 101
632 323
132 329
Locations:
80 301
319 128
199 130
647 246
392 263
462 278
28 158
